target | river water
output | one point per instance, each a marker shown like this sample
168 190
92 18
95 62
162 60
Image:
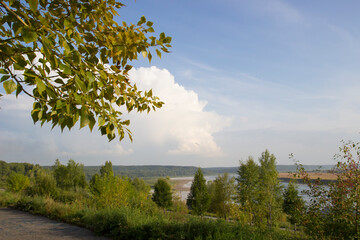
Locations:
184 194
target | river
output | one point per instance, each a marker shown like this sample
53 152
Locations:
183 194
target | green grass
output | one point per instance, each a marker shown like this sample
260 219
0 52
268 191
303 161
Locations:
138 224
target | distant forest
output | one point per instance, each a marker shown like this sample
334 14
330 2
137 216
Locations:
152 171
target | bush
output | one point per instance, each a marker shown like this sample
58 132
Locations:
8 199
44 185
17 182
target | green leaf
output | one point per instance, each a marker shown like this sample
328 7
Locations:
84 117
60 104
40 85
101 121
90 76
9 86
80 84
28 35
4 78
19 88
65 68
35 115
33 5
3 71
158 53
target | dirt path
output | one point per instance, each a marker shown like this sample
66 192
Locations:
16 225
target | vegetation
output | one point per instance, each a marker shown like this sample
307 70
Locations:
120 208
17 182
334 210
162 195
252 206
199 199
75 57
221 193
154 171
293 204
69 177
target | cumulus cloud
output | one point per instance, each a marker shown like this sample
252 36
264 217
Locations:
183 119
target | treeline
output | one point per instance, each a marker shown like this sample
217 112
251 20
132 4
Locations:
153 171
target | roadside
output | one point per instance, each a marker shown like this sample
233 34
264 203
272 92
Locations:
15 224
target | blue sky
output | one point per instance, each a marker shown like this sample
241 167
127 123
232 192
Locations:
242 77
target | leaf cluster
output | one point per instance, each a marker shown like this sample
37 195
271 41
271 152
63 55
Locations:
73 58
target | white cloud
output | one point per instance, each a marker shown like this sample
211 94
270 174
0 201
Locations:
183 119
11 102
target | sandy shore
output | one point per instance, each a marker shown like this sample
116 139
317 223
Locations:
312 175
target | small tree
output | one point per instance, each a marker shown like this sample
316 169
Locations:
248 188
107 169
17 182
293 204
71 176
44 184
162 195
223 191
270 190
198 199
109 190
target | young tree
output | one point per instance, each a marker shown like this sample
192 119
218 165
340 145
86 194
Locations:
248 187
198 199
141 191
71 176
109 190
107 169
293 204
270 190
17 182
162 195
44 184
75 58
223 191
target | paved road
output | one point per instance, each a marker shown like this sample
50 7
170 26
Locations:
17 225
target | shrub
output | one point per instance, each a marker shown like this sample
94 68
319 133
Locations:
17 182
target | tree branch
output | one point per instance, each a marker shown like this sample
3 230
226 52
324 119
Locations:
11 11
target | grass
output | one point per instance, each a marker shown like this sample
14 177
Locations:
140 223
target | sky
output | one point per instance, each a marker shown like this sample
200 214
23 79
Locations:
242 76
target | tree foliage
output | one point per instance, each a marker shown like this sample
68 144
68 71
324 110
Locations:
259 190
198 199
17 182
71 176
109 190
270 190
44 184
248 187
72 58
162 195
334 211
293 204
222 194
